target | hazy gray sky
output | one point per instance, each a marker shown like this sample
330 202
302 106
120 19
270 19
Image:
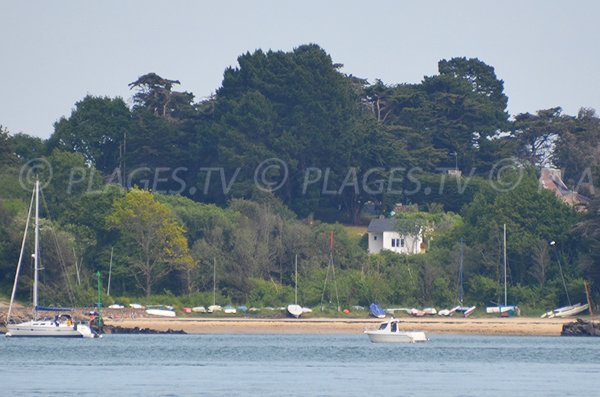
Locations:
53 53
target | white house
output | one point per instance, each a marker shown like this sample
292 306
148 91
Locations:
384 235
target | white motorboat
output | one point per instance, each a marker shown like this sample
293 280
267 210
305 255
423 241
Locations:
214 308
389 332
199 309
62 325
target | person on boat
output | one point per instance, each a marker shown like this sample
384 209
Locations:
56 320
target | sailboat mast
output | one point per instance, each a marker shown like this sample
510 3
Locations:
214 281
505 299
36 246
110 270
14 290
460 272
296 289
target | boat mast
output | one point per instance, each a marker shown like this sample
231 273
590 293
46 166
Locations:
460 272
330 265
296 290
109 270
214 281
36 247
14 290
505 301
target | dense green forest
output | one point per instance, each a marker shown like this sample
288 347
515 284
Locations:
287 150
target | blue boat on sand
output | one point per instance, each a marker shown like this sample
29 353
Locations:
376 311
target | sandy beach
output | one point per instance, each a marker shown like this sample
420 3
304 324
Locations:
210 324
482 326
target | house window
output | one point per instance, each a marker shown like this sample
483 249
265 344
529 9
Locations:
374 237
393 242
401 242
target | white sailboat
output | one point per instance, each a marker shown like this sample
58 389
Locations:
505 310
461 308
62 325
295 310
214 307
565 311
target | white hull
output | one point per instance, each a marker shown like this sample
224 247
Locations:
397 337
389 332
567 311
295 310
49 329
500 309
161 312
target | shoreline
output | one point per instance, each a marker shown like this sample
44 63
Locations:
516 326
210 324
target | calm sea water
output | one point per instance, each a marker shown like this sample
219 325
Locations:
299 365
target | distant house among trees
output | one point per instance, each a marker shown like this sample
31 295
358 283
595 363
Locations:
551 179
386 234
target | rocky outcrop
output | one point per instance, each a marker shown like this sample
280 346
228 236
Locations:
581 328
109 329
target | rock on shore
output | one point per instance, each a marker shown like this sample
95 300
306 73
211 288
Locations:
109 329
581 328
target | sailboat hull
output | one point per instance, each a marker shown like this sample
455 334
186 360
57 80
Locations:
294 311
49 329
566 311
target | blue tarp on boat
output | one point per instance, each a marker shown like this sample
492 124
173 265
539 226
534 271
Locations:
376 311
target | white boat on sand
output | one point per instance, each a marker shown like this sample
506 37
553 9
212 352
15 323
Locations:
389 332
163 311
428 311
566 311
505 310
295 310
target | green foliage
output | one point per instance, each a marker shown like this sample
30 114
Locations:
484 289
154 239
344 142
7 150
96 129
269 293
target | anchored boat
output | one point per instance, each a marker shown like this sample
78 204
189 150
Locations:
389 332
